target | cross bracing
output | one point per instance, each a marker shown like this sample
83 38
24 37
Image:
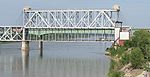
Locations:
95 18
8 33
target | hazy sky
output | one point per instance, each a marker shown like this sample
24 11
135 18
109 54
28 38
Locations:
135 13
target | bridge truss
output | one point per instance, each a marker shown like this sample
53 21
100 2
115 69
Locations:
92 18
63 25
10 33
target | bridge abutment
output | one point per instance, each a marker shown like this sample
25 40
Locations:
25 48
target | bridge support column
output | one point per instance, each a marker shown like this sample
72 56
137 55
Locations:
25 48
41 48
117 35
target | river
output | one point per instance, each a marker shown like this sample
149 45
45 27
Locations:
60 59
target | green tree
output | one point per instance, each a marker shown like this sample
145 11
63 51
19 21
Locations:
140 39
136 58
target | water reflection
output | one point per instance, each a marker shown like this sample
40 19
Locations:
25 65
66 67
40 53
41 48
13 64
10 66
52 67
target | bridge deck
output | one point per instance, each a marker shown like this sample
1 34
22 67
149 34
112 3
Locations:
56 34
70 34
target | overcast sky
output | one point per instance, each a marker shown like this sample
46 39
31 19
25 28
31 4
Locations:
135 13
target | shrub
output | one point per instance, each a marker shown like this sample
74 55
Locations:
118 51
113 71
136 58
112 51
115 74
125 59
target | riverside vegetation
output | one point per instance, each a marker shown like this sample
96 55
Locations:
135 54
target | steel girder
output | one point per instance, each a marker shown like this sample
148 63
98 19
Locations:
70 18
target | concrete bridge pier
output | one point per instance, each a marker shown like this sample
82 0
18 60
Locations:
41 48
25 48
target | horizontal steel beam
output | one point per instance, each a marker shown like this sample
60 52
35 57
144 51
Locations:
15 26
66 10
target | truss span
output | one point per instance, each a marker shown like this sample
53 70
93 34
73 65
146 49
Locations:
64 25
9 33
91 18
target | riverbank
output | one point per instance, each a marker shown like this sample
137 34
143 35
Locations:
120 69
117 70
132 59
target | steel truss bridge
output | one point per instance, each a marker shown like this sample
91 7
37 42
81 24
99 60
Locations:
64 25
